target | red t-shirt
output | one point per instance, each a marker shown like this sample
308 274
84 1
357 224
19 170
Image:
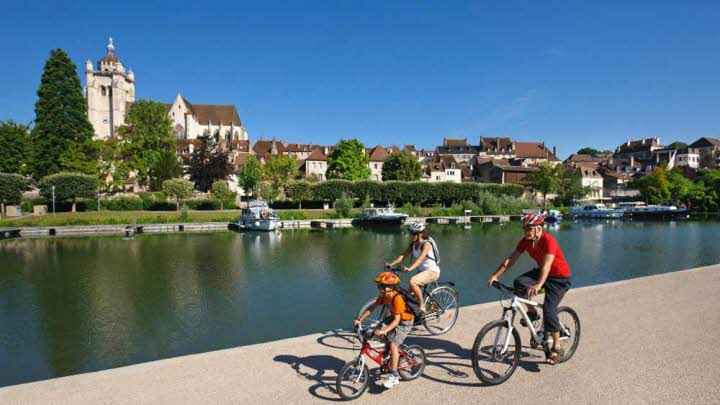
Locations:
544 246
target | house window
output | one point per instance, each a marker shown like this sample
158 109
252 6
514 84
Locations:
376 165
102 91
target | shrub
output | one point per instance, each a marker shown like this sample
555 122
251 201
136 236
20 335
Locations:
12 187
412 210
178 188
122 204
294 215
221 191
203 205
343 206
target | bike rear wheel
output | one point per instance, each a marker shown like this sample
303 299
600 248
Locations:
376 317
569 333
412 363
352 381
442 310
491 364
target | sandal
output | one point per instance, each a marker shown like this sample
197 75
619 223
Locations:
554 357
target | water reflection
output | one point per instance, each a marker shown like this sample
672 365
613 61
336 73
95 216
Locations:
81 304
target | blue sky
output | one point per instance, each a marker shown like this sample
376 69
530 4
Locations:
400 72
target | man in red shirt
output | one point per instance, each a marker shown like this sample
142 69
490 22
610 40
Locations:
553 273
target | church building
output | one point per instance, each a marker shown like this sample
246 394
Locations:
110 93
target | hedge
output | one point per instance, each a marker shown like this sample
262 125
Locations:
399 192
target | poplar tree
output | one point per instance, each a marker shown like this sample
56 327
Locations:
60 115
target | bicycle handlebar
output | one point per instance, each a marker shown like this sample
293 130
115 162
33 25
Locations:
500 286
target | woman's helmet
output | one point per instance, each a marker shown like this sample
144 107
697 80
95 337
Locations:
387 278
530 220
417 228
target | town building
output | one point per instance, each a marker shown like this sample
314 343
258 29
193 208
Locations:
316 164
639 150
590 178
377 157
534 153
459 149
502 171
709 150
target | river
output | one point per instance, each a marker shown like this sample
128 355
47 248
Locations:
74 305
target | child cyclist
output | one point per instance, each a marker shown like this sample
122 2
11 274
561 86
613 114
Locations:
396 327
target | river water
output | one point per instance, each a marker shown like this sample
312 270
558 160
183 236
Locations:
75 305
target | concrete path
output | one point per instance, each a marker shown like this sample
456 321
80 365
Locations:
648 340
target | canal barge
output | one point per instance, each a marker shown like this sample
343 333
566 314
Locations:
380 217
658 212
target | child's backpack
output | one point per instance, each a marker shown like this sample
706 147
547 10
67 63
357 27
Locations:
411 302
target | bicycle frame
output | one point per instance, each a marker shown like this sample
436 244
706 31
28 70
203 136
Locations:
376 354
515 307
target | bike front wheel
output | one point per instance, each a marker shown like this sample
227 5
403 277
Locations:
442 310
411 363
352 381
493 360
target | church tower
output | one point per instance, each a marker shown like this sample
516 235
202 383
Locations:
109 91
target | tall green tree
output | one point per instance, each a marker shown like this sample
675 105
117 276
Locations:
250 175
299 190
279 171
546 179
14 147
60 114
208 163
145 137
81 157
165 168
348 161
654 187
401 166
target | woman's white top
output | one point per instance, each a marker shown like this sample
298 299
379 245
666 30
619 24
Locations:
429 263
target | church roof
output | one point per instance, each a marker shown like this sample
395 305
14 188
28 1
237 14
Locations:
212 113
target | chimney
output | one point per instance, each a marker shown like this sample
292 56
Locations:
643 141
555 151
632 161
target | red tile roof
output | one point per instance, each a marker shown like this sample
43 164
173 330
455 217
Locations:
378 154
317 154
525 150
455 142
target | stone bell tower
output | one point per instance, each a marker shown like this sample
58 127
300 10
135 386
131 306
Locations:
109 91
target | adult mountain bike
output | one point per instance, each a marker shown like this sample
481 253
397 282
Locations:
497 347
354 376
441 307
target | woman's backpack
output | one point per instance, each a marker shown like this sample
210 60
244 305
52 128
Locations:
436 252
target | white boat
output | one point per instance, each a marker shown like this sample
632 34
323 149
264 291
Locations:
642 211
595 211
258 216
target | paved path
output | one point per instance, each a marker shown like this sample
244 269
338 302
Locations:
648 340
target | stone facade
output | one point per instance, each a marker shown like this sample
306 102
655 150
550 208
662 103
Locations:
109 90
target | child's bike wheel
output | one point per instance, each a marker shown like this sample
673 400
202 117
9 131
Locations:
411 365
352 381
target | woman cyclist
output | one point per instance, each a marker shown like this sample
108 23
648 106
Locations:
424 261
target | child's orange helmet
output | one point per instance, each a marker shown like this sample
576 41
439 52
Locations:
387 278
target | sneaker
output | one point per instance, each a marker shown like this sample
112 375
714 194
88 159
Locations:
381 378
391 381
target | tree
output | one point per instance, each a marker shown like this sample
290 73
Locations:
11 189
279 171
266 191
208 163
570 187
68 187
60 114
249 175
589 151
654 187
178 188
221 191
299 190
678 145
546 179
348 161
81 158
14 147
401 166
165 168
147 135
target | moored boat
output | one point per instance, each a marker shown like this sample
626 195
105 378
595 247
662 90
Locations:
642 211
258 216
599 211
380 217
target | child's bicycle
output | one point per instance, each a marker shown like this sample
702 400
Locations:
441 306
353 379
497 347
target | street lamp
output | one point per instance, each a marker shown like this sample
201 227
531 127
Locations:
53 192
